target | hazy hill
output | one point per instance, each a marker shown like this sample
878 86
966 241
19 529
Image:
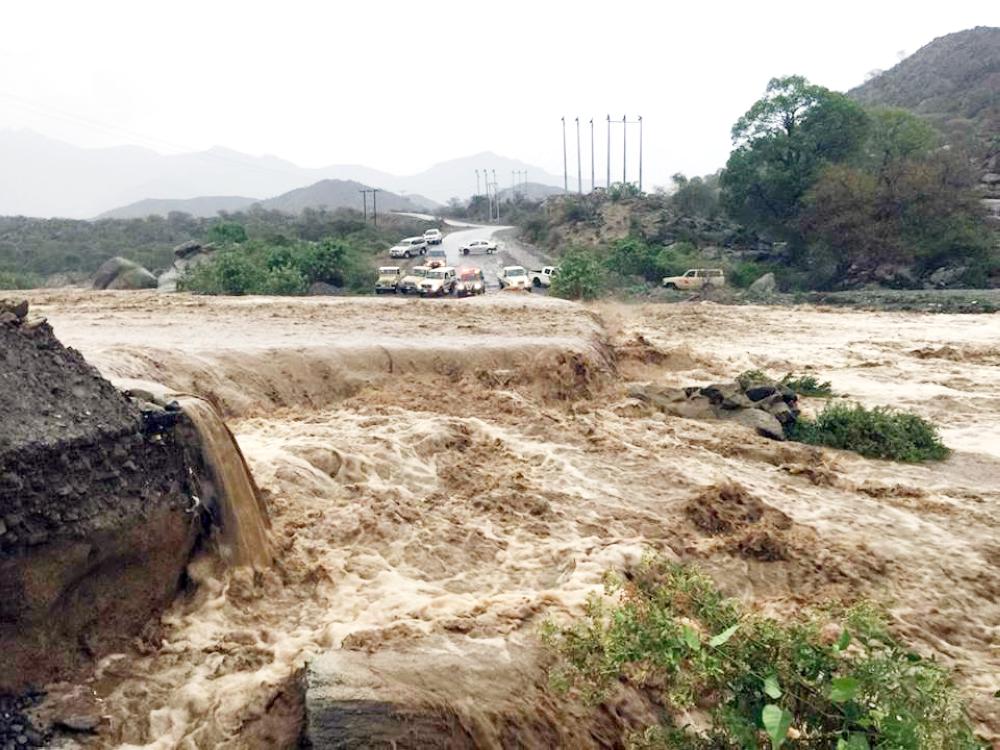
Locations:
533 191
955 82
45 177
337 194
203 207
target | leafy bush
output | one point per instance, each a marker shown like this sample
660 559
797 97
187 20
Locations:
11 280
621 190
285 268
581 276
227 232
823 679
875 433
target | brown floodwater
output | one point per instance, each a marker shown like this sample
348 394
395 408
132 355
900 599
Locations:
475 467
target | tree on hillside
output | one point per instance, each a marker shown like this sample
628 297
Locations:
781 144
903 201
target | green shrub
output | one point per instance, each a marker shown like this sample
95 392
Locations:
281 267
808 385
227 232
837 675
11 280
875 433
581 276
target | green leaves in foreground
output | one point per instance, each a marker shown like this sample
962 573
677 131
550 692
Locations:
777 722
762 682
875 433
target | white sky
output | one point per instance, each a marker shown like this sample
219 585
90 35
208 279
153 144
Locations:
402 85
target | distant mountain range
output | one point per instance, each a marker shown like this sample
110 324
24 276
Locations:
330 194
46 177
954 81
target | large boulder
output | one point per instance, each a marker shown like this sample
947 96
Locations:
765 286
121 273
187 255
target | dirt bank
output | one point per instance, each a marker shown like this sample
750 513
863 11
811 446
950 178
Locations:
473 467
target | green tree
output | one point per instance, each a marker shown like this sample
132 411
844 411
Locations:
226 233
781 144
581 276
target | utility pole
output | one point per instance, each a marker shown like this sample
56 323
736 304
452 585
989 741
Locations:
565 168
579 167
624 150
364 201
513 185
496 195
640 153
609 153
374 207
477 182
592 184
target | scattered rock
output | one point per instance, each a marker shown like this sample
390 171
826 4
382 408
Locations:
17 308
946 276
762 422
765 286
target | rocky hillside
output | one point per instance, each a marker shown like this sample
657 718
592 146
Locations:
955 82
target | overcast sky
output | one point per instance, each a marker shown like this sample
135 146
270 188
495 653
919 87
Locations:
402 85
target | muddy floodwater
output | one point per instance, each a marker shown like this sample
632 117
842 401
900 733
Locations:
470 468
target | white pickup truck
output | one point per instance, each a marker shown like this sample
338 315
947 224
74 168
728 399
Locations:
514 277
543 276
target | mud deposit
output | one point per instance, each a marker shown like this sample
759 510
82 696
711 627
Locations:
461 471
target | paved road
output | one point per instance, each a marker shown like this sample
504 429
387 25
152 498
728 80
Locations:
510 252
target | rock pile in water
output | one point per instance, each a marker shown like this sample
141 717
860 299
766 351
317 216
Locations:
768 408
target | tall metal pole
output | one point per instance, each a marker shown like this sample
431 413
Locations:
477 182
364 201
565 168
486 185
640 153
374 207
609 153
624 150
592 185
496 195
579 167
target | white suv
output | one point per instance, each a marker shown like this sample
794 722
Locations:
438 282
696 278
433 236
408 248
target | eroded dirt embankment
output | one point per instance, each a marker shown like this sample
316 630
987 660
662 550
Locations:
463 470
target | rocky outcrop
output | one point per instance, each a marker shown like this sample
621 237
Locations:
95 530
121 273
453 692
767 408
186 256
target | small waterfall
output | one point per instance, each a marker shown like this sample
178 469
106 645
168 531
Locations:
242 514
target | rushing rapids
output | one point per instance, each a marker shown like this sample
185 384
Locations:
462 472
242 515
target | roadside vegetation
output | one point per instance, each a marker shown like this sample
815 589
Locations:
828 677
803 385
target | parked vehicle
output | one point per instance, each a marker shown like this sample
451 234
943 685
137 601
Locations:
387 279
408 248
543 276
433 237
411 281
514 277
438 282
470 282
479 246
696 278
436 257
